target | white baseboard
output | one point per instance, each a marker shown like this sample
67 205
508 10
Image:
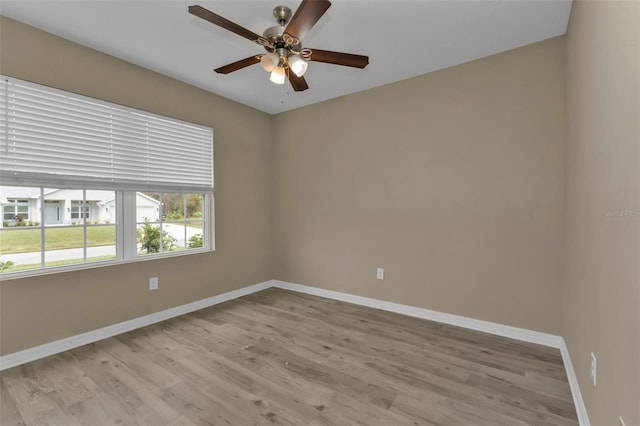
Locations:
52 348
581 409
460 321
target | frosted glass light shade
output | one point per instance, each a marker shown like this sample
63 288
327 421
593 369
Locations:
269 61
277 75
298 65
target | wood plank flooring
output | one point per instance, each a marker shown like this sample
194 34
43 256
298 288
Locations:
280 357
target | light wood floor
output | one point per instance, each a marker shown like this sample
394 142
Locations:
279 357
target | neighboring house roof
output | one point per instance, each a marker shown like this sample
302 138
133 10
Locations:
18 192
105 202
50 191
153 200
138 194
23 192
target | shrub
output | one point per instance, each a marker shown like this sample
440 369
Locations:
5 223
196 241
149 239
174 215
5 265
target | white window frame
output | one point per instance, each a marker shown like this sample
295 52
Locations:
124 187
126 238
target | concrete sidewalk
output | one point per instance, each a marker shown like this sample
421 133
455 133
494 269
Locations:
178 232
55 255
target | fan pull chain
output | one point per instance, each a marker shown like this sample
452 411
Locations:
286 90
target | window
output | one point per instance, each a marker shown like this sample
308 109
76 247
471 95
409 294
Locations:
17 210
85 181
80 210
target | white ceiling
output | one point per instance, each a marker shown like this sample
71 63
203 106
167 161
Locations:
402 39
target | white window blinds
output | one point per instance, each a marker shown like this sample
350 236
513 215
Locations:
60 139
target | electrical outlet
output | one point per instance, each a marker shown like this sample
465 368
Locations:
153 283
592 371
380 273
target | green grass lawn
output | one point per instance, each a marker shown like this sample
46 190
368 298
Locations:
25 240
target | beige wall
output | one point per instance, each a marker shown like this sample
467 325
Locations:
601 308
454 182
451 181
42 309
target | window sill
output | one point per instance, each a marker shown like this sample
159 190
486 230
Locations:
6 276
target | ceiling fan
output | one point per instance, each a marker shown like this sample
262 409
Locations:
285 55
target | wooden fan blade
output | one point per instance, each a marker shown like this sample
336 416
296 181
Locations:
238 65
218 20
308 13
299 84
339 58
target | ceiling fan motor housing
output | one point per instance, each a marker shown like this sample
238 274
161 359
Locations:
276 34
282 15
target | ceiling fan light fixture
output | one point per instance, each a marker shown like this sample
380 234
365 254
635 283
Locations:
277 75
285 57
269 61
298 65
